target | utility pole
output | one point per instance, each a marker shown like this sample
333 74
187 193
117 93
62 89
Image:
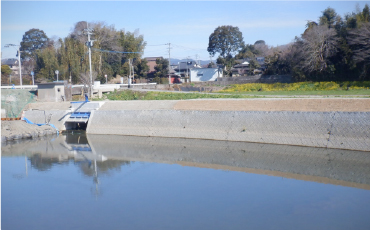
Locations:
129 77
187 67
20 66
89 44
169 63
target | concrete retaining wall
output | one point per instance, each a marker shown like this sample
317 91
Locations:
342 130
255 79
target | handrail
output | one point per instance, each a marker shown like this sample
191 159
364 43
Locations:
75 86
20 87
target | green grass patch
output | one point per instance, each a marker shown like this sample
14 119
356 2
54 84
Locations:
356 92
303 88
253 90
151 95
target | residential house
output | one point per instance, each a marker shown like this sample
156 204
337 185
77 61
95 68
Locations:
152 63
183 69
243 67
12 63
175 78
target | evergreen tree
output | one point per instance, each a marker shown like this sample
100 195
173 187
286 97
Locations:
33 40
46 63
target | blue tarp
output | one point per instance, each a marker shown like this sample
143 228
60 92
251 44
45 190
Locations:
30 122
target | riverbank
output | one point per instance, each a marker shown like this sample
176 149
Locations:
15 130
327 123
340 123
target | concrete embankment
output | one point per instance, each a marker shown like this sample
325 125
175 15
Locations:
329 123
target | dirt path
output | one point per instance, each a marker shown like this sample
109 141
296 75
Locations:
276 104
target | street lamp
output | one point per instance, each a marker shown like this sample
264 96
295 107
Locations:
19 60
33 79
187 67
57 72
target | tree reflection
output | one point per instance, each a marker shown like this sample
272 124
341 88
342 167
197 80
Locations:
104 167
45 163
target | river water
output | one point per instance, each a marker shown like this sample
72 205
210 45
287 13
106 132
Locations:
79 181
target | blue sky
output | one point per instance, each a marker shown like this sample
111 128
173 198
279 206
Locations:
185 24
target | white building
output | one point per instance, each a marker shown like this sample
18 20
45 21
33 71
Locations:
12 63
205 74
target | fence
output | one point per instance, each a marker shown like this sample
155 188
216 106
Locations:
13 101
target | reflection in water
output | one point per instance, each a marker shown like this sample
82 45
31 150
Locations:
46 153
42 163
164 183
109 153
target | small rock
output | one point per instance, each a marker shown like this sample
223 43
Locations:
26 135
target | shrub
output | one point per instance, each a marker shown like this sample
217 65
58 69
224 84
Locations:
299 86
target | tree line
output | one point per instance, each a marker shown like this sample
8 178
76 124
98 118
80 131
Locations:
69 55
334 48
331 49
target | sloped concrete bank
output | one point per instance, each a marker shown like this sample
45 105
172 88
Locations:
341 130
328 123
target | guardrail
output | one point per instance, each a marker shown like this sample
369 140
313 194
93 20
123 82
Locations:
116 86
20 87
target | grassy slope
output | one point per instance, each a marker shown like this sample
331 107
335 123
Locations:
355 92
301 88
345 89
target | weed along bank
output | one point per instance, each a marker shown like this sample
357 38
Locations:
328 123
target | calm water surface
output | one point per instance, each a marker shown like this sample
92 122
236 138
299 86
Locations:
111 182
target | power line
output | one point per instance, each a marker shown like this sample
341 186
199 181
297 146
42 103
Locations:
113 51
188 47
157 45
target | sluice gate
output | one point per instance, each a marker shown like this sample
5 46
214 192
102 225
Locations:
80 114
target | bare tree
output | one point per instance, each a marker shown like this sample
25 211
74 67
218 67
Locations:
78 31
318 45
281 59
262 48
359 40
85 80
106 36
